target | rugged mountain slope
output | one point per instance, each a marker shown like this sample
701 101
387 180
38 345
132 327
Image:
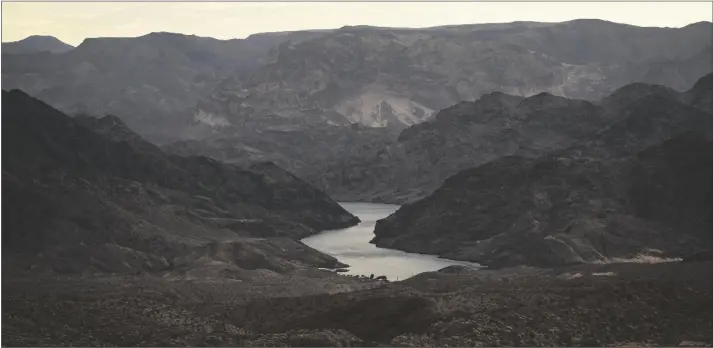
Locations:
699 95
152 82
398 77
36 44
89 194
642 185
173 87
459 137
469 134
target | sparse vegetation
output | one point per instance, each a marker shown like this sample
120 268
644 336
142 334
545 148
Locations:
661 304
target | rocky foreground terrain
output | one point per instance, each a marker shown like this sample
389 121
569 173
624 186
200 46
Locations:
639 187
596 305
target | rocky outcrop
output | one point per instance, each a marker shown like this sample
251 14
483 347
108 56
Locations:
639 187
90 194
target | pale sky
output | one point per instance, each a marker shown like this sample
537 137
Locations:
73 22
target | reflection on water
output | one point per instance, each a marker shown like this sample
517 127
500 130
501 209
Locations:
351 246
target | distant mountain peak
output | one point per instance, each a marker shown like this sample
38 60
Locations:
43 37
699 24
544 98
168 34
36 44
705 82
497 98
494 95
637 91
700 94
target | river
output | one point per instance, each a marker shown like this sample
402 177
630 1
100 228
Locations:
351 246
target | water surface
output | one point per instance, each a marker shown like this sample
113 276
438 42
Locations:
351 246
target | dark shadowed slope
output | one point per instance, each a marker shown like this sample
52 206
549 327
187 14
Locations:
88 193
641 186
469 134
462 136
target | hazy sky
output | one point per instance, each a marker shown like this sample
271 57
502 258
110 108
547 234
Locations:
72 22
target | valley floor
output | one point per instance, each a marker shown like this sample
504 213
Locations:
593 305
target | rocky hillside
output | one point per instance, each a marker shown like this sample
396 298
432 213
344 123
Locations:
36 44
395 78
171 87
580 306
89 194
152 82
640 187
399 77
459 137
469 134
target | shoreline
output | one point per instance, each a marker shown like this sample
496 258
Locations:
361 252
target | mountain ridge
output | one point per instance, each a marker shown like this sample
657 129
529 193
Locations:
370 75
36 44
89 195
609 196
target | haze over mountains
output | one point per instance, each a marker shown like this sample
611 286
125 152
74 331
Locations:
292 97
380 76
155 189
363 113
172 86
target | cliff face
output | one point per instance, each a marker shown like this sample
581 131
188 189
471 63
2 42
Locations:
90 194
640 186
